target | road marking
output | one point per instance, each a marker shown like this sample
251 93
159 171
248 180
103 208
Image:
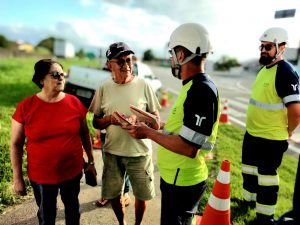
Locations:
237 104
243 99
294 149
236 113
236 121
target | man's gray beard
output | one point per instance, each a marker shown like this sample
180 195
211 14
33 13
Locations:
265 60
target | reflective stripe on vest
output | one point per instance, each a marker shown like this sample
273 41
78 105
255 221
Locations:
252 170
219 203
265 209
267 114
268 180
266 106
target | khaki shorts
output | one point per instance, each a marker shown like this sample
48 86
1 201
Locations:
140 173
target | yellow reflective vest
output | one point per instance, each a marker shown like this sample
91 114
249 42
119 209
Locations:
267 114
178 169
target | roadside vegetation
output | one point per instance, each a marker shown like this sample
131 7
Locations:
15 84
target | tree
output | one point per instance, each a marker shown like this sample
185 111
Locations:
148 55
4 43
80 53
225 63
47 43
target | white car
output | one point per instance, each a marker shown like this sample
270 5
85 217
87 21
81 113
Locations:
83 81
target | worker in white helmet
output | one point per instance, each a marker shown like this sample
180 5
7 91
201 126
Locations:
191 129
272 116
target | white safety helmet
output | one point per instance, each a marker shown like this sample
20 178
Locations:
276 35
192 36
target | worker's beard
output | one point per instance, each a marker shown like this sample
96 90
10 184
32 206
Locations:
265 60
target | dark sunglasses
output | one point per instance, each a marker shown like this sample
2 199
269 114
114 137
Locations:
57 75
268 47
121 62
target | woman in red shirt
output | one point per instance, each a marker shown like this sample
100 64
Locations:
53 126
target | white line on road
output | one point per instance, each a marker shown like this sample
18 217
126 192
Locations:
243 99
237 104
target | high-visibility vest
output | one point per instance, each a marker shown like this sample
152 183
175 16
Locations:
180 169
267 114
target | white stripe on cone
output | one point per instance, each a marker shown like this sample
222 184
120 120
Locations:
219 203
223 177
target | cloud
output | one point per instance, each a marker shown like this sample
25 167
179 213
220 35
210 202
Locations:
87 2
234 25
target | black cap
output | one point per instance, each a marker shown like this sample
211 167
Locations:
117 49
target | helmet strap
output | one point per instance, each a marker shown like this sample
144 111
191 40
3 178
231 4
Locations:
176 70
278 53
189 58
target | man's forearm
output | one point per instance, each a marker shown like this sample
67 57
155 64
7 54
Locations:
102 123
173 143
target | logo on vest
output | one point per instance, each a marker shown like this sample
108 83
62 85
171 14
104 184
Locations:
199 120
294 86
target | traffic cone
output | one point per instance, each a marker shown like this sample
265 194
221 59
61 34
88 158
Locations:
198 219
217 210
224 117
97 143
164 99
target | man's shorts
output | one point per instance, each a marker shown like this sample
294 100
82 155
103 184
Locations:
140 173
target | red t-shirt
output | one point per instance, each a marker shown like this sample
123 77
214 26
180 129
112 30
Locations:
54 148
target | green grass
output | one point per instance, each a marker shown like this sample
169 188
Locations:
15 84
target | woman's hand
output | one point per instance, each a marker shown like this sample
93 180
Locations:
19 187
91 167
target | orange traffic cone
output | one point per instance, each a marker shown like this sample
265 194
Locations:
198 219
97 143
217 210
164 99
224 117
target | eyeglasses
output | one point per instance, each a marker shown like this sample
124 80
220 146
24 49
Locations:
175 50
57 75
268 47
121 62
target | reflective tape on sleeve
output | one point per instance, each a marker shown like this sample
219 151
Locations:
291 98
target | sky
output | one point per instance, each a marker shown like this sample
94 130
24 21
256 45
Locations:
235 26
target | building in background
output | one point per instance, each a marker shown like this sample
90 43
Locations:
63 49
